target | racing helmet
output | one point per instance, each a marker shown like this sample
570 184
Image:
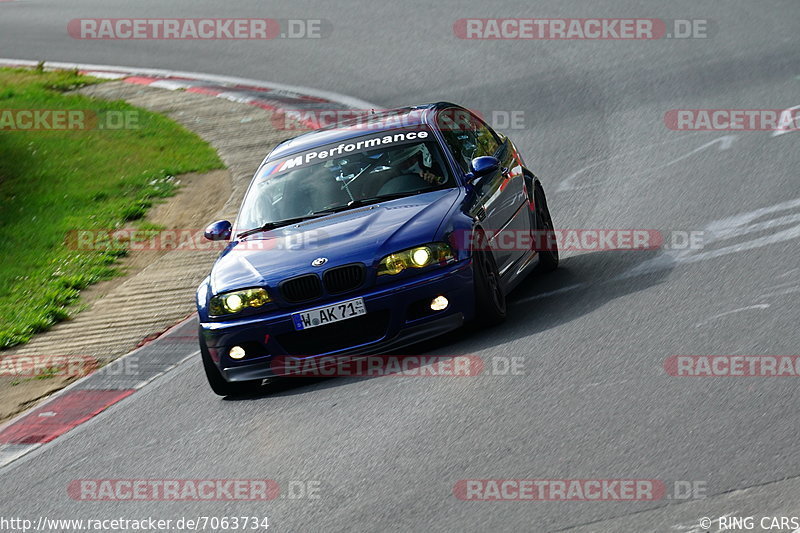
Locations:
413 159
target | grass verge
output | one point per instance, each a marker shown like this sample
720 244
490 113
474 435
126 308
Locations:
54 182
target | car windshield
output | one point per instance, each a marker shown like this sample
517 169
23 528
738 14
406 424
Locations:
343 175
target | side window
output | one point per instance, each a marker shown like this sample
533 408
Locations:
486 141
466 136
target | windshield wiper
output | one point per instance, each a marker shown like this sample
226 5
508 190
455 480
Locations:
317 214
279 223
366 201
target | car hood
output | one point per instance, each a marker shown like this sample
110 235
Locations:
363 235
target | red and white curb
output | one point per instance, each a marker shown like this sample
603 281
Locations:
91 395
269 96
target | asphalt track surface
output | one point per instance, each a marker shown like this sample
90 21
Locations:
595 401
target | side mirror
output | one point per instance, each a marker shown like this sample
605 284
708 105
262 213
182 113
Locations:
482 166
218 231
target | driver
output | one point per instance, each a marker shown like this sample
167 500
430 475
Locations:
417 160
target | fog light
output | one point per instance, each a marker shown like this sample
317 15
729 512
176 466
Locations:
439 303
237 352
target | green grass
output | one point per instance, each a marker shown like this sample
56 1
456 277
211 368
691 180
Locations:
54 182
146 231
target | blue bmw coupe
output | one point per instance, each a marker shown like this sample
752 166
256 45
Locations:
369 236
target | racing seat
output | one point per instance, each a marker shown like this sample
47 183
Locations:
404 183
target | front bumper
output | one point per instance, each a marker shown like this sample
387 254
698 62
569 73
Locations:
394 319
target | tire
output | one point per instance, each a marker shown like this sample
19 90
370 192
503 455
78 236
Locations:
218 384
490 301
548 258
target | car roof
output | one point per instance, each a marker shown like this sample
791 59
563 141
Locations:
382 121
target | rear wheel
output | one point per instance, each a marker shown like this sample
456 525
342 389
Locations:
548 255
490 301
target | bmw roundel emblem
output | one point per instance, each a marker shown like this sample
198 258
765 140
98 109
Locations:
319 261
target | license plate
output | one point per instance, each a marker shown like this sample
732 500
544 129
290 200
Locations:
329 314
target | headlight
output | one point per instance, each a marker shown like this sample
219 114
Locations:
233 302
421 256
418 257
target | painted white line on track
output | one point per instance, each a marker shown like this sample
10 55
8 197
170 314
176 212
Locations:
11 452
782 292
550 293
731 312
570 183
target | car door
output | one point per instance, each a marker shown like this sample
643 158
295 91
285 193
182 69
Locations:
500 196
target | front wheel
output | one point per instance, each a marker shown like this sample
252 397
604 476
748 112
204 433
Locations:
490 300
